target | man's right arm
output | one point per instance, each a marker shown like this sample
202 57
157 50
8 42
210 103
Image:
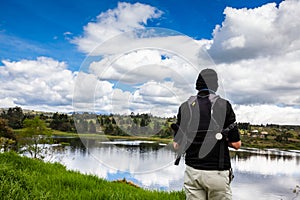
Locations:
234 140
235 145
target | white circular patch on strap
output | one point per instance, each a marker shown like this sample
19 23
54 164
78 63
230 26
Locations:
219 136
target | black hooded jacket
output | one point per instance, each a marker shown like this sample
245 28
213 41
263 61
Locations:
224 115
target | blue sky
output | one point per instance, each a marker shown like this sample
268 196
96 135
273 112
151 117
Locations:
37 28
254 46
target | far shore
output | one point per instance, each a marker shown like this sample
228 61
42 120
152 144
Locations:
113 137
246 142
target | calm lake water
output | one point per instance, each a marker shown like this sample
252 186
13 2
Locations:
259 174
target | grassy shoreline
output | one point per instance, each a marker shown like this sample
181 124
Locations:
112 137
26 178
270 143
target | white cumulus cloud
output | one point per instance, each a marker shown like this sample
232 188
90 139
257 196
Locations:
257 54
269 30
43 83
126 17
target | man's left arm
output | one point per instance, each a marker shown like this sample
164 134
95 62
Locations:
175 128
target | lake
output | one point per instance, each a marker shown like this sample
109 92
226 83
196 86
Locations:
259 174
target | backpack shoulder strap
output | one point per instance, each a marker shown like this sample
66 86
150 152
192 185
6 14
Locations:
185 126
192 100
193 109
213 99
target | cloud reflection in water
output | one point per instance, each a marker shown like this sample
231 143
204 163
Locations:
260 175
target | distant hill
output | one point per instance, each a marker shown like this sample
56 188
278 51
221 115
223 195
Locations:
31 112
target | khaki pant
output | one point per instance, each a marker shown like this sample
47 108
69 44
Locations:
206 184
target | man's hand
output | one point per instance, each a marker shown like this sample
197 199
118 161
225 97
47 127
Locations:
175 146
235 145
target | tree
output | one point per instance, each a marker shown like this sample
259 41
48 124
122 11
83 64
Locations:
286 135
109 129
92 127
244 126
135 120
62 122
36 137
82 126
101 121
14 116
157 127
278 138
113 121
107 120
7 137
143 122
5 130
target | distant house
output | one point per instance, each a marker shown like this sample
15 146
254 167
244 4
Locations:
264 134
254 133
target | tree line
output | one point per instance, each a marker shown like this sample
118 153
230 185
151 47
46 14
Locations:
14 119
18 127
31 132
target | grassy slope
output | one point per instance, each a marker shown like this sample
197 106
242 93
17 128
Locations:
25 178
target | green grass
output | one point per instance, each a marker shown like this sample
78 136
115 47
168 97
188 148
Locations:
25 178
